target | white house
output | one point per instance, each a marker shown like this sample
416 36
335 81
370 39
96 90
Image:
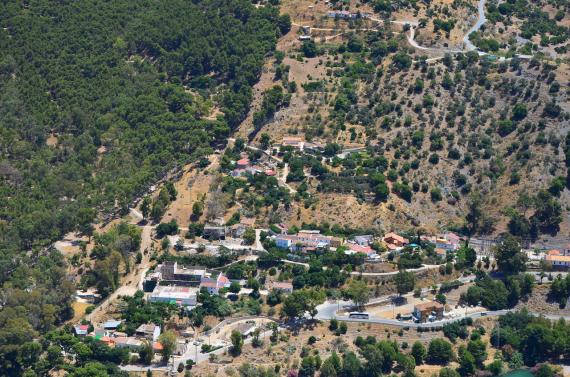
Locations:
149 331
179 295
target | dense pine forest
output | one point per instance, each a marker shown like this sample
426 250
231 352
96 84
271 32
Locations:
98 100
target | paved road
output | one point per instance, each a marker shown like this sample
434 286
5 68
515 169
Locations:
328 311
481 19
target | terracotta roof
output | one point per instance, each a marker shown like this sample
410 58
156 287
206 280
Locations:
362 249
243 161
554 252
558 258
209 284
157 346
223 280
452 237
396 237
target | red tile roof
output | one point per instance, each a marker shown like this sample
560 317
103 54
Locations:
396 237
157 346
362 249
209 284
243 162
223 280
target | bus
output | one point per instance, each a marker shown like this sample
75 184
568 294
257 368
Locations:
360 315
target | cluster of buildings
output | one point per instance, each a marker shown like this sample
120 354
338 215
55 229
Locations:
244 166
306 240
221 232
108 333
559 259
446 243
180 285
310 240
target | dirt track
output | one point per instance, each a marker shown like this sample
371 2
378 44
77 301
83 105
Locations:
130 282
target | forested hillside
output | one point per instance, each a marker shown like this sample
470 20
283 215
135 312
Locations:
98 99
113 74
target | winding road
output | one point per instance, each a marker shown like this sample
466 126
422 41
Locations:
467 44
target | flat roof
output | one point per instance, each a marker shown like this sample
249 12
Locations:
173 292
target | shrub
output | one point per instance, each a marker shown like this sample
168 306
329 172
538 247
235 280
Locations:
435 194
